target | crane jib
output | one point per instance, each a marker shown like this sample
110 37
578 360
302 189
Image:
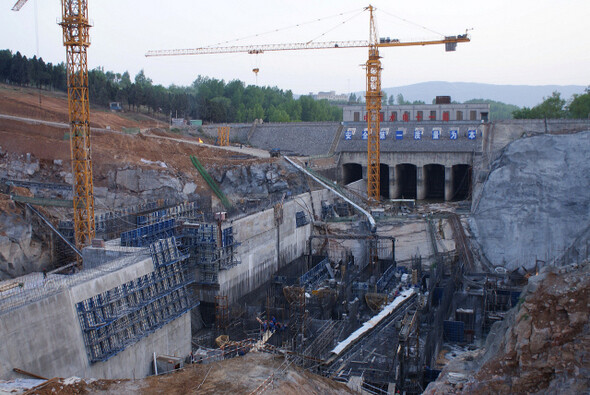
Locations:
258 49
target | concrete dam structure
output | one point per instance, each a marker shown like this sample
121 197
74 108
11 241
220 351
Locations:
106 321
292 268
419 160
134 296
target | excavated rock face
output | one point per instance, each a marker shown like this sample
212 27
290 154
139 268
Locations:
535 202
145 185
543 346
22 250
258 180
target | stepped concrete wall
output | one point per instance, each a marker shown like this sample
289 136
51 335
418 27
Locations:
45 337
266 247
296 138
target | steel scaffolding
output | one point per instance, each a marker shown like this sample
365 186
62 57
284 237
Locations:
121 316
210 250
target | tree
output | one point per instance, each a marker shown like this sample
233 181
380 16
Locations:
58 77
5 64
206 98
124 88
218 109
400 99
277 115
391 100
256 112
552 107
307 104
498 110
18 70
383 97
579 107
352 98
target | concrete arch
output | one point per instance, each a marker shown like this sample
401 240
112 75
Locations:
406 181
434 181
351 172
384 181
461 175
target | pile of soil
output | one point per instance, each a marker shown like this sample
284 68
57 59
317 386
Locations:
240 375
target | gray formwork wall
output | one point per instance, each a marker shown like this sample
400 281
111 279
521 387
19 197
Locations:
264 247
45 337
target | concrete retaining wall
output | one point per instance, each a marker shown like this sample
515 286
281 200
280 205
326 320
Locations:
501 133
301 138
265 247
45 337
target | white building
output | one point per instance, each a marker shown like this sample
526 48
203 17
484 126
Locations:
442 111
331 96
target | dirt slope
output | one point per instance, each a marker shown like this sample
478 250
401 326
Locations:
241 375
542 346
109 149
52 106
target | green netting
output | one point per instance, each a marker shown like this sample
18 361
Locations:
211 182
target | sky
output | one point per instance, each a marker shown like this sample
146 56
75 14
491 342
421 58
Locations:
516 42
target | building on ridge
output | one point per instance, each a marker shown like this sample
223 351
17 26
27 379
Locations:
443 110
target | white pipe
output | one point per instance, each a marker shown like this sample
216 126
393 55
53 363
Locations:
356 206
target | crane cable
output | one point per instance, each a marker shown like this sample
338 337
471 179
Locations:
412 23
37 50
281 29
338 25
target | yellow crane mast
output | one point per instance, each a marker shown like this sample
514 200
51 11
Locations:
373 75
75 25
373 106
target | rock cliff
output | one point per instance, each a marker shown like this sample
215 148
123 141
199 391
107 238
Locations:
535 203
23 248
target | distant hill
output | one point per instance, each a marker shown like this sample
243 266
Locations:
520 95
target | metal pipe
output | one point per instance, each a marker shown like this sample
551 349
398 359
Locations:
370 218
73 247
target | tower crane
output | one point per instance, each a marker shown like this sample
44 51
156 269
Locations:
373 78
75 25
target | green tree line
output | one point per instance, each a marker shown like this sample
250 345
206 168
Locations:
209 99
554 106
19 70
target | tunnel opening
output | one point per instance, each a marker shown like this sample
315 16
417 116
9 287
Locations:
434 181
461 182
407 181
384 181
351 172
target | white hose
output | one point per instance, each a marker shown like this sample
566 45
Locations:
356 206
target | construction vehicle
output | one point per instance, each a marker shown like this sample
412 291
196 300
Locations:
75 25
373 78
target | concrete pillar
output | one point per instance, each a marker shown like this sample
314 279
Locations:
448 183
392 182
365 177
420 183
